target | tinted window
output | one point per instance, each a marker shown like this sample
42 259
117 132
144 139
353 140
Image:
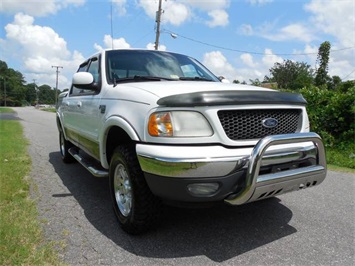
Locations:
91 66
122 64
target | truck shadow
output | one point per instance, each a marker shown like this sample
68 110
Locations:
219 233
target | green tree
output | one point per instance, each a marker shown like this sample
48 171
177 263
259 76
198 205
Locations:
334 82
46 95
291 75
323 59
331 112
31 93
255 82
12 87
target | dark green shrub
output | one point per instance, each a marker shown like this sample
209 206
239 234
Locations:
332 116
331 113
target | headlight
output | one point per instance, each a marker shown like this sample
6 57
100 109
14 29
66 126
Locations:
307 125
178 124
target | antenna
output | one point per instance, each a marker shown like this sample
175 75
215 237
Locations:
111 26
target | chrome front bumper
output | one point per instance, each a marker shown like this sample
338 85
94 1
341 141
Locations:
263 186
211 162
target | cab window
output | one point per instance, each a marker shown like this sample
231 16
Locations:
91 66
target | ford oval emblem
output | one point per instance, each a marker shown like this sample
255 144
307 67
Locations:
269 122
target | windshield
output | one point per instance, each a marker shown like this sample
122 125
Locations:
147 65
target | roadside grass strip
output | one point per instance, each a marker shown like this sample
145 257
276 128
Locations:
6 110
21 237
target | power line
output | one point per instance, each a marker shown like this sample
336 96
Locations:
245 51
348 74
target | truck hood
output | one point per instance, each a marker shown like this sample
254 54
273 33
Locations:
167 88
201 93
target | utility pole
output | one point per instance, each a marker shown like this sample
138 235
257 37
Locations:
56 82
157 20
34 82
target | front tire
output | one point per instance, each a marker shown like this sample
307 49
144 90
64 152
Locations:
136 208
64 146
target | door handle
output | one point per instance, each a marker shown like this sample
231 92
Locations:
78 104
66 103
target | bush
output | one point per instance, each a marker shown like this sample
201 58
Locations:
332 115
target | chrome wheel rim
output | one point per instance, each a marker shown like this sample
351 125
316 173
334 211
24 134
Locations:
122 190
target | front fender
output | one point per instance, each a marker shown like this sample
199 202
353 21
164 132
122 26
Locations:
60 124
114 121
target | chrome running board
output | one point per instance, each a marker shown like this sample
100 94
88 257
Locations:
87 164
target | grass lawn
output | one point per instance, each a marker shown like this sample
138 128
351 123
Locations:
52 110
342 154
6 110
21 237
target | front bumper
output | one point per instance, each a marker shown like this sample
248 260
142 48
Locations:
276 165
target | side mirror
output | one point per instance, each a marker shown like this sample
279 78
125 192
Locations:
223 79
84 80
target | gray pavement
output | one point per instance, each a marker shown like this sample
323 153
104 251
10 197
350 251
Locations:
310 227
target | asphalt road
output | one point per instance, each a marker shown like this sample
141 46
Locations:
310 227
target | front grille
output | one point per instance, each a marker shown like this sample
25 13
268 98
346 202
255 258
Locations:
248 124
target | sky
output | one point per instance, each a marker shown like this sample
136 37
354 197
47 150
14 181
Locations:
237 39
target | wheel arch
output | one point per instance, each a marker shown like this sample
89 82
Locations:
60 126
117 131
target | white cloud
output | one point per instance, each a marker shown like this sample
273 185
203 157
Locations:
269 59
295 31
268 30
115 43
259 2
174 13
120 7
246 29
208 5
251 68
219 65
329 20
39 48
219 18
179 11
151 46
336 18
308 54
37 7
248 60
35 40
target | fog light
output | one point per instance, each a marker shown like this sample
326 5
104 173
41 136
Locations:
203 189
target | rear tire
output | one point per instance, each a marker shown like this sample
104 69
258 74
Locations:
64 146
136 208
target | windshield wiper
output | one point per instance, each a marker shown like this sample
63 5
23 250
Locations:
195 78
138 78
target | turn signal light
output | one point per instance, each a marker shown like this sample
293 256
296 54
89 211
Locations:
160 125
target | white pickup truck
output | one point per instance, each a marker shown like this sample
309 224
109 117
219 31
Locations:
163 128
